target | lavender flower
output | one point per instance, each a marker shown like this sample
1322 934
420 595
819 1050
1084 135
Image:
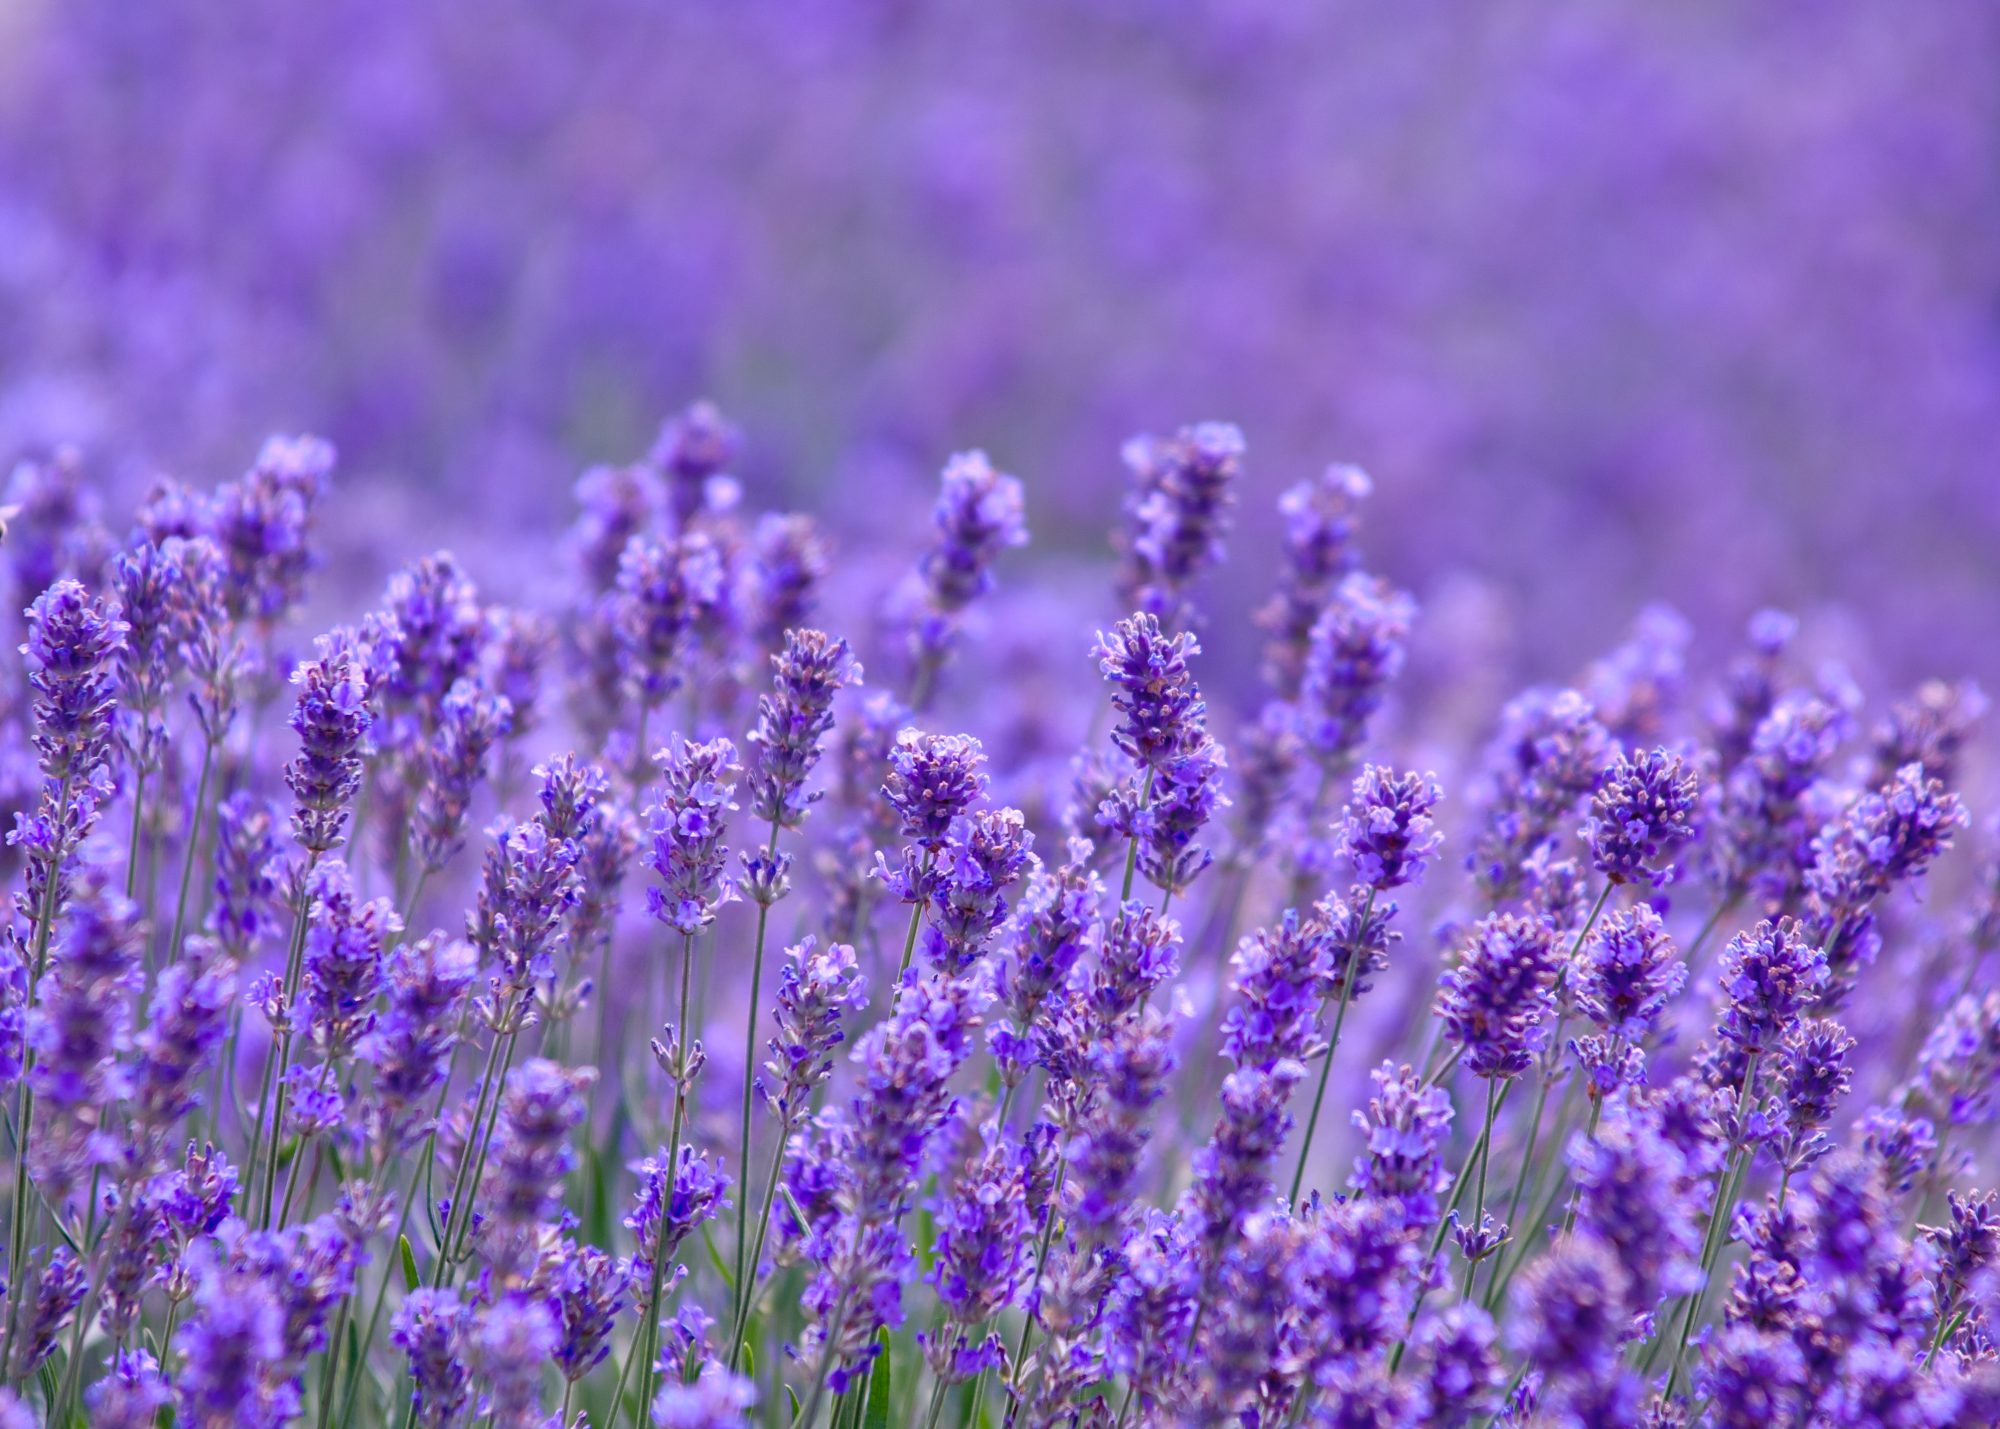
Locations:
1549 754
1358 647
1163 715
541 1106
983 857
1276 983
589 1290
663 587
187 1019
1404 1130
1813 1075
1634 1196
1770 976
697 785
716 1400
792 723
432 1328
979 513
1886 838
1176 515
789 563
470 721
693 451
249 874
528 885
933 778
671 1207
1495 1001
41 1301
263 526
72 649
1626 973
981 1256
437 637
1640 815
1386 832
1320 517
81 1033
816 987
332 719
344 939
411 1046
1232 1172
511 1343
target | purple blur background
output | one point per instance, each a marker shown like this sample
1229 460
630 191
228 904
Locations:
1693 302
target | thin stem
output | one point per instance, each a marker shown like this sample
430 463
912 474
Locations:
193 848
651 1329
1352 975
281 1053
1712 1241
749 1085
747 1298
1041 1260
1493 1093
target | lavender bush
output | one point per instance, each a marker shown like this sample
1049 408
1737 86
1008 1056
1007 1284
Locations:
635 1009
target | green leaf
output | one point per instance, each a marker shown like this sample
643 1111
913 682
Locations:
793 1395
876 1415
722 1267
411 1280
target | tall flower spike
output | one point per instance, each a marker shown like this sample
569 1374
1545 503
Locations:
1626 973
431 1328
1176 515
693 453
1358 647
933 778
332 719
663 587
440 633
344 939
816 987
789 562
792 723
411 1046
470 722
73 644
263 524
1320 516
685 828
1547 756
1163 715
1494 1003
1386 831
541 1106
1642 813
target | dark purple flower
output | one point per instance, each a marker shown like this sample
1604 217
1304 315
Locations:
411 1046
263 525
1885 838
131 1394
1958 1067
42 1297
1276 982
1763 831
1386 831
1320 517
1642 812
344 938
932 780
1626 973
1930 728
981 1257
671 1207
1127 1069
1059 917
816 987
1813 1075
184 1028
1770 975
528 885
437 636
663 588
531 1155
1163 715
1405 1128
1495 1001
1634 1196
1751 1378
792 723
432 1329
979 513
587 1288
332 719
1458 1362
1547 756
789 562
1140 951
1232 1173
250 875
81 1033
1358 647
685 828
511 1343
693 453
72 649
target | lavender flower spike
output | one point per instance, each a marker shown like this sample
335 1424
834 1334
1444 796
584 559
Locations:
332 719
1386 831
697 788
1642 813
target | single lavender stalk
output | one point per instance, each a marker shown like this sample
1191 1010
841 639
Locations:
1387 833
979 513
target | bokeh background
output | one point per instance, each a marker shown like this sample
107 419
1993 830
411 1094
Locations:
1698 302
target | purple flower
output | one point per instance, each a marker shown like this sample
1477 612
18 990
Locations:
1176 515
131 1394
1458 1362
1813 1075
1640 683
1320 517
81 1033
436 636
511 1343
470 721
1547 756
1184 798
263 526
670 1208
153 603
232 1352
1058 919
1358 647
540 1107
1163 715
1626 973
789 562
184 1028
932 780
983 857
343 959
432 1328
716 1400
979 513
1958 1067
250 874
588 1290
1139 952
1495 1001
528 885
1886 838
73 645
697 788
693 452
411 1046
663 588
1929 728
332 719
42 1298
1642 813
1635 1197
1127 1071
1751 1378
816 987
792 723
1232 1173
1763 831
980 1259
1404 1130
1277 980
1770 975
1386 831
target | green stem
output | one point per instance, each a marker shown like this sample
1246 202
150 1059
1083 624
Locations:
1711 1244
651 1335
749 1086
746 1295
281 1053
1353 974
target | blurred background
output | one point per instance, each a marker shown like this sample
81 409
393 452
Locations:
1695 302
